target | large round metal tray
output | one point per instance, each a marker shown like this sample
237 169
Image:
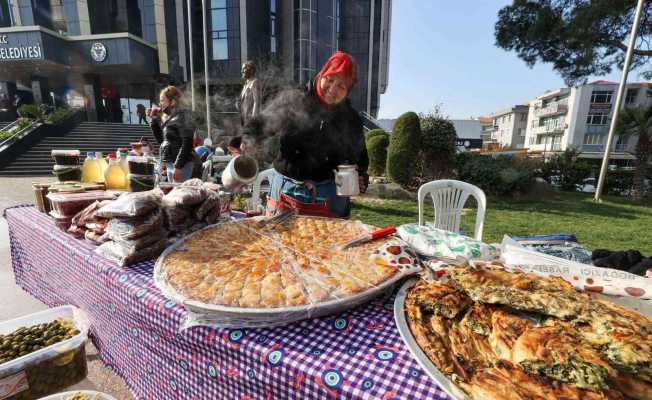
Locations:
422 359
265 317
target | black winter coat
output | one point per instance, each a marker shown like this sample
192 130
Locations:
313 140
175 137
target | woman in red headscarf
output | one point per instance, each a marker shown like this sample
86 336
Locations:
319 130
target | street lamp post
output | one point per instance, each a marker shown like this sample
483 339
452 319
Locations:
192 64
208 104
619 99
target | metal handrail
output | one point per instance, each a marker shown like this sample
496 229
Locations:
20 132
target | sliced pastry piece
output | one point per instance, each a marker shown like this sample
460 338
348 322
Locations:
560 353
439 298
523 291
471 351
632 387
432 335
478 318
508 382
506 328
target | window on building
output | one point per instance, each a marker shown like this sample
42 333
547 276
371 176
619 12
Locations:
630 98
591 138
6 13
273 27
597 119
523 117
219 32
601 96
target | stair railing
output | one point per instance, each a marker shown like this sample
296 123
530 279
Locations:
17 132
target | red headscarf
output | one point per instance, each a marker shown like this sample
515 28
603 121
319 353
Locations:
341 64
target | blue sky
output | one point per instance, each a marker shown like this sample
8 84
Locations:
442 51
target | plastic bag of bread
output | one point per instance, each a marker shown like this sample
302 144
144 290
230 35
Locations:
131 228
189 193
125 255
130 205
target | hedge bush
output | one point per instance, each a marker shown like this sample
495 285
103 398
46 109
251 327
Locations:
377 151
498 176
30 111
375 132
438 149
566 170
403 149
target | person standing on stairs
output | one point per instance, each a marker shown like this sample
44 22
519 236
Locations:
173 129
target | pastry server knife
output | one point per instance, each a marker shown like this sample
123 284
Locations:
380 233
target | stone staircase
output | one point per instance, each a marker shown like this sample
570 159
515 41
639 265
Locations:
87 136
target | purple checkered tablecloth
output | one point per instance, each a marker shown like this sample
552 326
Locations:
355 355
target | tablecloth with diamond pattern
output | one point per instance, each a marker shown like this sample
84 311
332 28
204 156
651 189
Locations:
355 355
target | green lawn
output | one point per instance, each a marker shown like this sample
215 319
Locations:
615 224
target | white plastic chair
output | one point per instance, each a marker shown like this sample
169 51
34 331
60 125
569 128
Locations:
449 197
255 192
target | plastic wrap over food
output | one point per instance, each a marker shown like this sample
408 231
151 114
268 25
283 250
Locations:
131 228
252 274
130 205
125 256
211 203
432 242
142 241
177 218
189 193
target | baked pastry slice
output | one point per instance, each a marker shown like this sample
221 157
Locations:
506 328
432 335
632 387
508 382
560 353
439 298
471 351
478 318
523 291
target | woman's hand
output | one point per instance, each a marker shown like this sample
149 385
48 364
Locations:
177 175
363 183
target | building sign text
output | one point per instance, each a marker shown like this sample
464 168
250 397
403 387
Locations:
19 52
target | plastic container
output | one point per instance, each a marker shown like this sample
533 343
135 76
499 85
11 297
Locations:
69 204
92 170
40 199
122 158
62 222
65 157
91 394
52 368
67 173
115 177
141 183
140 165
104 165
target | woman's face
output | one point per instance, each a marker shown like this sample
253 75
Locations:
334 89
164 102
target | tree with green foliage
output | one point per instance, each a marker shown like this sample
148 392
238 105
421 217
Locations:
377 152
638 122
580 38
403 149
438 149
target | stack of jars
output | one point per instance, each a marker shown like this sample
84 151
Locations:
142 175
66 165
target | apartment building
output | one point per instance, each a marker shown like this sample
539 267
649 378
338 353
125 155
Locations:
579 117
508 128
